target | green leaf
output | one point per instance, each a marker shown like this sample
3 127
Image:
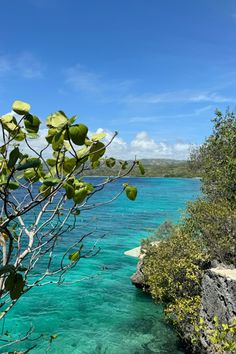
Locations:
124 164
2 149
16 291
69 164
13 185
141 168
50 182
89 187
10 185
110 162
88 142
22 269
30 174
9 268
72 119
13 157
10 282
82 153
32 124
57 141
20 107
51 133
32 135
57 120
97 150
80 195
7 118
98 136
45 190
30 163
78 133
70 191
51 162
131 192
76 255
95 164
20 136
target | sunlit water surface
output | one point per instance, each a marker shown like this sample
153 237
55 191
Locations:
107 314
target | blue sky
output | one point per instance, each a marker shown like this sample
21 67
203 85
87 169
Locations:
154 70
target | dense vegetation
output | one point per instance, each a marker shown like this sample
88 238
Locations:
174 268
155 168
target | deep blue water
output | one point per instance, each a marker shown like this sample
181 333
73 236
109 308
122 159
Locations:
106 314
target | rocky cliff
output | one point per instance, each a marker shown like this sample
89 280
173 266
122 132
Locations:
218 300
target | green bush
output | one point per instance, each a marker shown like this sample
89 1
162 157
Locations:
216 160
214 225
173 269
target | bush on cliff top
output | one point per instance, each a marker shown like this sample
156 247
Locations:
173 269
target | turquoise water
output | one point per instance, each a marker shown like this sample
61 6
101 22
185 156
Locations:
106 314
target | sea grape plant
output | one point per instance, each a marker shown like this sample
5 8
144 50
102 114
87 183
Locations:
42 193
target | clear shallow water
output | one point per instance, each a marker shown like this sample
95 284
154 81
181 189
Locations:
106 314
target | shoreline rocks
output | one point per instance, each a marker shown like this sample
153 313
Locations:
218 299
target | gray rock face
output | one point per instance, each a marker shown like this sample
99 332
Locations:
218 298
219 294
138 277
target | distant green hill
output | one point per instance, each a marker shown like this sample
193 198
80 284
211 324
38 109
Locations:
153 168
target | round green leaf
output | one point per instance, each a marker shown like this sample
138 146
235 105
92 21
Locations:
70 191
98 136
19 283
76 255
97 150
57 141
13 157
80 195
78 133
21 107
110 162
131 192
57 120
10 282
30 163
13 185
49 182
141 168
31 123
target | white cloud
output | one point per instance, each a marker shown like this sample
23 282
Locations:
144 119
5 66
143 146
178 96
24 65
151 119
29 67
81 79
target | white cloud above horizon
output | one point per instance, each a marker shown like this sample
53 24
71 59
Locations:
179 96
142 146
80 79
24 65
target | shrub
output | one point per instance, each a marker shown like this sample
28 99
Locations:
173 268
